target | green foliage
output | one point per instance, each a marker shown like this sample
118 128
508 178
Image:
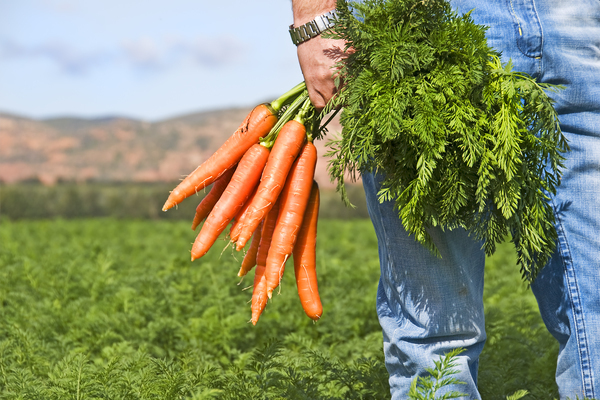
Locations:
114 309
517 395
277 371
519 352
131 200
71 200
440 377
428 387
463 140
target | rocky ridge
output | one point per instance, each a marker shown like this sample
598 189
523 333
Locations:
118 149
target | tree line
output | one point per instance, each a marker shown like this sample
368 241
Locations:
32 200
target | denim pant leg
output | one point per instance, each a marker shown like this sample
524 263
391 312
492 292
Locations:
556 41
426 305
568 289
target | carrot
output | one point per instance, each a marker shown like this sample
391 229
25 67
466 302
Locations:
209 201
259 294
236 227
268 227
305 259
243 181
249 260
284 152
256 125
293 201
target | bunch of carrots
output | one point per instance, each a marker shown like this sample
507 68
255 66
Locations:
263 184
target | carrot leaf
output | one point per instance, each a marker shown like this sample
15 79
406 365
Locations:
461 139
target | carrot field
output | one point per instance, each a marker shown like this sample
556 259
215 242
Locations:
114 309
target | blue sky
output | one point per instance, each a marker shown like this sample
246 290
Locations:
148 59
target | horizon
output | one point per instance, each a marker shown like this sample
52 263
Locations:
109 117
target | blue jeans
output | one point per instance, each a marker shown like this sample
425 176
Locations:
427 305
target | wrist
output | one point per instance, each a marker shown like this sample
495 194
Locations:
313 28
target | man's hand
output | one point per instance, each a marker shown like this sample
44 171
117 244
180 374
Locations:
317 56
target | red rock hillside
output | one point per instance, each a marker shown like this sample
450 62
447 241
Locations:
117 149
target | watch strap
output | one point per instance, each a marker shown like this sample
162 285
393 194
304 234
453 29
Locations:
313 28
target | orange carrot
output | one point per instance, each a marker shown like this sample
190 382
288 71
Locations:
243 181
305 260
259 294
209 201
236 227
293 201
256 125
284 152
249 260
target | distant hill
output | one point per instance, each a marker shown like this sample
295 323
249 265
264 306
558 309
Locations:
116 148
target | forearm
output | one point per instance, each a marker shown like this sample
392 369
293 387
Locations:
306 10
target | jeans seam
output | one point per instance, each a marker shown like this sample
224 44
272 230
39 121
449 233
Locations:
539 22
519 31
575 298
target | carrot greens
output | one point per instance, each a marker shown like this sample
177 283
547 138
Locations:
462 140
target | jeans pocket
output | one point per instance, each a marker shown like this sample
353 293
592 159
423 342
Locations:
528 28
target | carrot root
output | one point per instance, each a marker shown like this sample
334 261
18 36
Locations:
294 200
209 201
238 191
249 260
259 294
284 152
257 124
305 259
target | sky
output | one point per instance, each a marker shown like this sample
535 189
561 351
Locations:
146 59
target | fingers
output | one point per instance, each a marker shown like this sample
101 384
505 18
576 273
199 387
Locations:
318 57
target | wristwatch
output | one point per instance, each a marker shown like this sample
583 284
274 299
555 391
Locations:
313 28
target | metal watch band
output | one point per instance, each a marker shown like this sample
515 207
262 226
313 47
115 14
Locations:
313 28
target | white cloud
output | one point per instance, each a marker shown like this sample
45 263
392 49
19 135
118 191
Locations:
70 60
215 52
208 52
141 54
